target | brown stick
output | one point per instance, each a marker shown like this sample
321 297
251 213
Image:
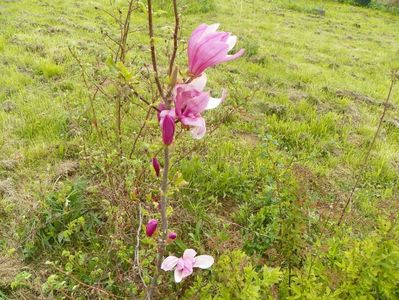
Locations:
125 32
153 54
366 158
175 37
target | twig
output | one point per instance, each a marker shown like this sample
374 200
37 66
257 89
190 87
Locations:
137 249
175 37
153 54
366 158
84 76
125 32
109 14
140 132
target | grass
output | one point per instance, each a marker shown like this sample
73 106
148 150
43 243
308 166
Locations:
263 184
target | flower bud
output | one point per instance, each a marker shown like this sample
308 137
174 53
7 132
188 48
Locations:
172 235
151 227
168 126
156 166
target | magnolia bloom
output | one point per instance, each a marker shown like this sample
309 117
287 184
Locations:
184 266
208 47
191 101
151 227
156 166
167 123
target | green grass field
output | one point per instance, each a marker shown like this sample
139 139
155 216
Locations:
262 193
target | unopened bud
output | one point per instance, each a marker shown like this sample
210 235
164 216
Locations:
151 227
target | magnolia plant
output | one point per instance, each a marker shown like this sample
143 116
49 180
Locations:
207 47
187 101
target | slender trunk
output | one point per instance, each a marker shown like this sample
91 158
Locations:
164 220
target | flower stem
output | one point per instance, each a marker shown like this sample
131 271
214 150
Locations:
164 220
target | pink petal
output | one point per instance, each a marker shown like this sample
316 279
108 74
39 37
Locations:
189 253
208 55
198 129
234 56
169 263
187 272
211 29
231 41
203 261
178 275
199 83
194 39
214 102
189 101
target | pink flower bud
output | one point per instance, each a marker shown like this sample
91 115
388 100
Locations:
167 123
151 227
156 166
172 235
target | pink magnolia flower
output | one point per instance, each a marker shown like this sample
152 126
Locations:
167 123
191 101
184 266
151 227
208 47
156 166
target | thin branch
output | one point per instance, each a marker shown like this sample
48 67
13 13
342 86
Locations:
153 54
175 37
140 131
137 249
109 14
92 99
125 32
366 158
112 39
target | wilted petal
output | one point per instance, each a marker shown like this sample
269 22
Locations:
203 261
178 275
189 253
169 263
214 102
